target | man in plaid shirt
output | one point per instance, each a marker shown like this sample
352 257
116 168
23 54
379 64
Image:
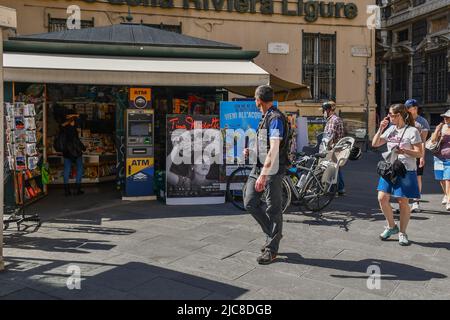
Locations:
334 131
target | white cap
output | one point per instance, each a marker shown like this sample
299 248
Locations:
446 114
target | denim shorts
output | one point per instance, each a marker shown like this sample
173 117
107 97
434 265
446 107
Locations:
406 187
441 169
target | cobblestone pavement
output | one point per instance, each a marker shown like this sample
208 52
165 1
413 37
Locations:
147 250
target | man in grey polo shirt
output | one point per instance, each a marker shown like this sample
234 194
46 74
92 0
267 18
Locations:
423 127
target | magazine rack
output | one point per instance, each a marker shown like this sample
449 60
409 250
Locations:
18 214
21 159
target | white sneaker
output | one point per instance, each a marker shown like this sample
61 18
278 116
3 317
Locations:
447 207
415 207
444 200
403 239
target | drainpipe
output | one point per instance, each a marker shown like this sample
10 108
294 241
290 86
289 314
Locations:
383 99
367 102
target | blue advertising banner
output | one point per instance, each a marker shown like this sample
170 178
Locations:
239 115
242 117
236 118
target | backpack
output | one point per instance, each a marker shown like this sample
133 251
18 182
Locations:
289 138
60 141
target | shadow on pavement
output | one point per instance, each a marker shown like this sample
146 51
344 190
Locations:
66 245
341 219
132 280
390 270
99 230
444 213
319 220
436 245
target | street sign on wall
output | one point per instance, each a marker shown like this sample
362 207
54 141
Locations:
278 48
360 51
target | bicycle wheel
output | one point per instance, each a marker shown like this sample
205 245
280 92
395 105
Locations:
286 195
318 195
236 183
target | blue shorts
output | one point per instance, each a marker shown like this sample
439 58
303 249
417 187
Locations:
406 187
441 169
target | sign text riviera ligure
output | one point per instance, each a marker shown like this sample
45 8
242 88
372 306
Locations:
310 9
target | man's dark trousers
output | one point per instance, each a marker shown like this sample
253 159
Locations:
271 219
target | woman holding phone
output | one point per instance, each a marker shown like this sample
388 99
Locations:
442 157
402 138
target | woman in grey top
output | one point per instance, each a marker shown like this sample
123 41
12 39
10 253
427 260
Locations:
402 138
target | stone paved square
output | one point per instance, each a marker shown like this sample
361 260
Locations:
147 250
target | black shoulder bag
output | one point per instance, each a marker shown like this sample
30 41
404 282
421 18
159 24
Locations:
390 171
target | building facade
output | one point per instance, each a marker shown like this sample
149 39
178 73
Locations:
413 55
326 45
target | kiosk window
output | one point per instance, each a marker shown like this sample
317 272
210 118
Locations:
139 129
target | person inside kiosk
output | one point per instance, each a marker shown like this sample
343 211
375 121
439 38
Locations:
72 152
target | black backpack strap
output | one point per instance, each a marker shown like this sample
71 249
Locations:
285 142
401 138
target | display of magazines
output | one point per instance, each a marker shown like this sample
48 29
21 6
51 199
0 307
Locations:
24 128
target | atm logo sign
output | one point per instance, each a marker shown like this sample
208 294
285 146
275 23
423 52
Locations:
140 163
140 97
136 165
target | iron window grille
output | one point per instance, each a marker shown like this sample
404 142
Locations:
436 78
418 2
399 82
319 65
403 35
57 24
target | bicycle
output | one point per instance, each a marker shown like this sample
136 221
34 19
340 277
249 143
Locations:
313 187
236 184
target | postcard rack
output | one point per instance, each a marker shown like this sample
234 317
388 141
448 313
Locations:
22 163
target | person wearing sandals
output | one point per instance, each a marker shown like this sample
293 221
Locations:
442 157
404 142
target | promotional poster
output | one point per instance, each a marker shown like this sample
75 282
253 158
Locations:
316 125
236 118
194 181
239 116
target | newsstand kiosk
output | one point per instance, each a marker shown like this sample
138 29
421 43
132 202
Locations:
140 170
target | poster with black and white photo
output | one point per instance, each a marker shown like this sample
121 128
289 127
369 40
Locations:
195 178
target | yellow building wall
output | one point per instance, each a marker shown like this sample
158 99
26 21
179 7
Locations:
250 31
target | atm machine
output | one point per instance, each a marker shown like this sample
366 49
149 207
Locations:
140 169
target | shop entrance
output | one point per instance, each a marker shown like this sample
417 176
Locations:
97 109
101 128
